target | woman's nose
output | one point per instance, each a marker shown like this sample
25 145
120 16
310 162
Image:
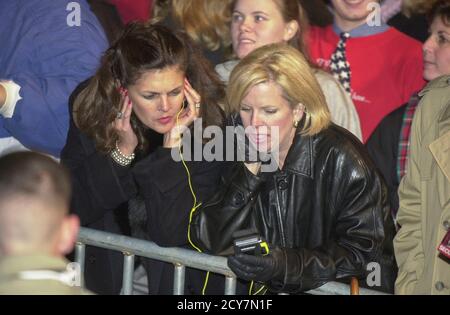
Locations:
256 121
245 25
164 104
428 46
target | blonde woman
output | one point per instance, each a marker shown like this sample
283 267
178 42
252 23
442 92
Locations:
205 21
322 211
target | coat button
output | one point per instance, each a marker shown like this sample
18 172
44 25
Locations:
238 199
446 225
282 184
439 286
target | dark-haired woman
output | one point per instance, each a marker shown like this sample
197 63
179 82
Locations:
126 121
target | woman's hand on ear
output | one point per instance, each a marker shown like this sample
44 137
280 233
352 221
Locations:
185 118
128 140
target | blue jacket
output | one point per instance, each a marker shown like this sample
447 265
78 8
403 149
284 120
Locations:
47 58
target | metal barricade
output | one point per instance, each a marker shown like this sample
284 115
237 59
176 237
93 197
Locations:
179 257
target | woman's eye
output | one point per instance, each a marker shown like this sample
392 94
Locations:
442 39
245 109
270 111
236 17
149 97
175 93
259 18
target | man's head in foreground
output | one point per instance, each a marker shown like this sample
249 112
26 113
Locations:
34 204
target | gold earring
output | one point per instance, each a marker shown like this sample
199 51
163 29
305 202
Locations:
295 123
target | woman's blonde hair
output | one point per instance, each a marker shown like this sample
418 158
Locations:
287 67
205 21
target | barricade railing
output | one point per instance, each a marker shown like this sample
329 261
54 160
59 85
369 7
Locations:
180 258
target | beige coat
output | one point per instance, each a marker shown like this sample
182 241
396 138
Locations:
424 192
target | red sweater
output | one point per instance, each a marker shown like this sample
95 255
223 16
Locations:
386 69
131 10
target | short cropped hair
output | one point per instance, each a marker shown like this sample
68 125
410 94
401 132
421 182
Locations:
287 67
35 176
34 199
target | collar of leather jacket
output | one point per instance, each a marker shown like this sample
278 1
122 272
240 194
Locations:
299 159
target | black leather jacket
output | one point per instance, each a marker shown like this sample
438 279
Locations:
326 209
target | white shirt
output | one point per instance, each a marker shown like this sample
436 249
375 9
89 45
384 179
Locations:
10 144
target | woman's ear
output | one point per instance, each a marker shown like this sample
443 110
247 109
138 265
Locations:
290 30
299 111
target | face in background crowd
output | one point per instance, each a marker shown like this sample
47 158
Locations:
256 23
157 98
436 50
349 14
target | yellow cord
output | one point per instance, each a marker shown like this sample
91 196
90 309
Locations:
257 292
195 206
250 289
206 283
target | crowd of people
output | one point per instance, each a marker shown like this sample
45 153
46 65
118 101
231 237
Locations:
339 155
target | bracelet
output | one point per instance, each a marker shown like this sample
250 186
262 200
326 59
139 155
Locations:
120 158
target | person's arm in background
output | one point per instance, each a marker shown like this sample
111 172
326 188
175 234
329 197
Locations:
57 58
408 241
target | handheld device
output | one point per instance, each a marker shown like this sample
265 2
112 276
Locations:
249 242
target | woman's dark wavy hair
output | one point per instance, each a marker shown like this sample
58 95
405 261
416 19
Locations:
140 48
440 9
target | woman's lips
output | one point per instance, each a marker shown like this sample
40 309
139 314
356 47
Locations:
245 42
258 138
353 2
165 120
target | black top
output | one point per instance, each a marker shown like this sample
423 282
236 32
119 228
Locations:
415 26
383 149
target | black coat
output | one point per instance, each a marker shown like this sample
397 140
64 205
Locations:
102 190
326 208
163 207
383 149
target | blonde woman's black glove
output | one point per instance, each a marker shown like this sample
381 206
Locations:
259 268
